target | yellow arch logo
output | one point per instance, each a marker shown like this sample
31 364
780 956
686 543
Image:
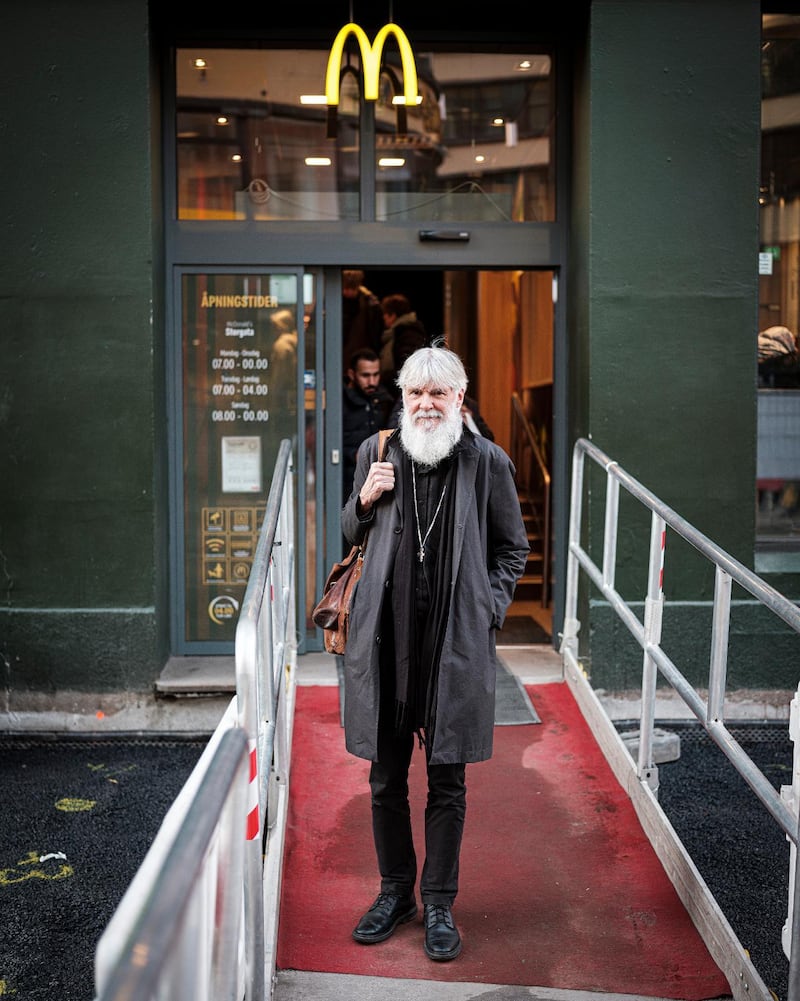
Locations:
371 62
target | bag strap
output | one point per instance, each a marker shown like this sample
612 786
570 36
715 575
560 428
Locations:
383 436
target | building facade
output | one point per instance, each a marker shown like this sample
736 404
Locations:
607 259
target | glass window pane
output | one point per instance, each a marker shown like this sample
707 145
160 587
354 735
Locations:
255 139
479 147
248 145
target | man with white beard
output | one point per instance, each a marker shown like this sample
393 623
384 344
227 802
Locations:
446 547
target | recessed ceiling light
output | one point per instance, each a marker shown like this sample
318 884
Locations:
523 65
313 99
391 161
237 157
480 158
200 64
318 161
222 120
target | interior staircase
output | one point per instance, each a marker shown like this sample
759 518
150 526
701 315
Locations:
531 586
533 593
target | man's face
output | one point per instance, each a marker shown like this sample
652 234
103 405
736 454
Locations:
426 406
366 376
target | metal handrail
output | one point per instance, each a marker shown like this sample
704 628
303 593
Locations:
161 930
225 934
266 661
520 423
710 713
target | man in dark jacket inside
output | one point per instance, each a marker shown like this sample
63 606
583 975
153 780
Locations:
446 547
365 410
362 316
404 334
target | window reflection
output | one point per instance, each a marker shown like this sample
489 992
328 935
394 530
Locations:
253 138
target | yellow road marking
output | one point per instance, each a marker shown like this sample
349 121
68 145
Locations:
14 875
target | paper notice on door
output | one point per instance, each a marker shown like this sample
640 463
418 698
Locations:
241 465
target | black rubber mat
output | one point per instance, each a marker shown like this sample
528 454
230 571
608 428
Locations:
522 630
512 704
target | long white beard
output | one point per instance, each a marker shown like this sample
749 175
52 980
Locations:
429 445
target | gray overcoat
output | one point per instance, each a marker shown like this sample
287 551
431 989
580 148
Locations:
489 553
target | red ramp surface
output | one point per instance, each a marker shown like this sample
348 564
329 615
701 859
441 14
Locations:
560 887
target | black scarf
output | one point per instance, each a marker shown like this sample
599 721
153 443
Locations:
421 600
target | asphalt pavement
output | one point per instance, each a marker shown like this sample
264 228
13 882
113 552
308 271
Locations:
78 816
741 852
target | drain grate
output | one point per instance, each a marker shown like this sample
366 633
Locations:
766 731
72 741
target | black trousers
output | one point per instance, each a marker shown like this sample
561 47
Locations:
391 823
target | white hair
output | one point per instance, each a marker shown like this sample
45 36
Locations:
433 367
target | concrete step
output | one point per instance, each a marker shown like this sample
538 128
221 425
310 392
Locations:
197 676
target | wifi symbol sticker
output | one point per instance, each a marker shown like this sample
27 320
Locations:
215 545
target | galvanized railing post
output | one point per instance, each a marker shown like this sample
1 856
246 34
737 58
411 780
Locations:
793 985
611 524
790 795
569 637
653 615
720 629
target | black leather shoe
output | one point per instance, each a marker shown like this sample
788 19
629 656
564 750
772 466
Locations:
383 917
442 940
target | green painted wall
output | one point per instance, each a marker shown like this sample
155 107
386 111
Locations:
662 318
82 548
664 363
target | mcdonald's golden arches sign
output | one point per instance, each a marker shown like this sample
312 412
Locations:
371 62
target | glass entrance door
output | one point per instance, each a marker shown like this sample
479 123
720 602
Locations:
258 357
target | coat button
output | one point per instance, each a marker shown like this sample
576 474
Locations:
377 639
398 530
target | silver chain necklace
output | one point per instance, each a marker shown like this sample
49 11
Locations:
422 541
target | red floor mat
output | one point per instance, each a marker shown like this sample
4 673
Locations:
560 887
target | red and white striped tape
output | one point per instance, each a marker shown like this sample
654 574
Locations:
252 795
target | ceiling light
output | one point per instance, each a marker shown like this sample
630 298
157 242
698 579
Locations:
312 99
391 161
480 158
400 99
222 119
237 157
523 65
318 161
498 121
200 64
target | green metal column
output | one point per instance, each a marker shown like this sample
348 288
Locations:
667 142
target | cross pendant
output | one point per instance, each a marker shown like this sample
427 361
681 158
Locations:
421 554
